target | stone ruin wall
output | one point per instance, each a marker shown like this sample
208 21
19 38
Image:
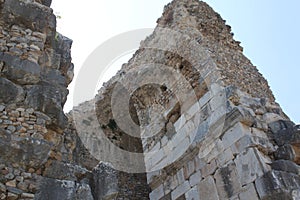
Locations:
40 154
240 145
233 140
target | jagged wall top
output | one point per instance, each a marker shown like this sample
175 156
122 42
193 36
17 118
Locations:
234 67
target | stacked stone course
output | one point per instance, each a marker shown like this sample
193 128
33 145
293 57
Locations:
232 141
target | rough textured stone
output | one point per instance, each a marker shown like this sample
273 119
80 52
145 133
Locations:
286 166
180 190
248 192
192 194
158 193
21 71
227 181
250 165
105 181
27 152
10 92
225 136
68 190
207 189
277 185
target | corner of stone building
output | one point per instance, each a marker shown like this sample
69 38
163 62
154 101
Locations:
232 141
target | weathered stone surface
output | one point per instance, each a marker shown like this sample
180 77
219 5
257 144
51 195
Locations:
48 99
11 196
280 125
63 171
21 71
158 193
286 166
207 189
287 152
10 92
248 192
234 134
27 152
209 168
277 185
239 114
195 178
42 154
105 179
284 132
180 190
250 165
192 194
32 15
227 181
56 189
249 141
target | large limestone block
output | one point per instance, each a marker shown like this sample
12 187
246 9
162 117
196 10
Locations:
227 181
250 165
207 189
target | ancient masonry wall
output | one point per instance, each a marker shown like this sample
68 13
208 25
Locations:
40 155
225 138
234 142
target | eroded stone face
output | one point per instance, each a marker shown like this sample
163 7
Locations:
223 138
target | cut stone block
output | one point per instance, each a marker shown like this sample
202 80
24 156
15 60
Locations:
207 189
227 181
192 194
250 165
157 193
249 192
249 141
180 190
286 165
195 178
209 169
234 134
224 157
277 185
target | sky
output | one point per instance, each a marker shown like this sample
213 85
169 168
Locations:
269 32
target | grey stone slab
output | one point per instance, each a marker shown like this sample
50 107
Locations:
250 165
234 134
207 189
277 185
248 192
158 193
286 165
180 190
227 181
195 178
105 181
10 92
192 194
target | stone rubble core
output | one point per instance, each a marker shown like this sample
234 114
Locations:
228 139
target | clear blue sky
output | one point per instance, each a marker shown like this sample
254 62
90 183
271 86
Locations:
268 30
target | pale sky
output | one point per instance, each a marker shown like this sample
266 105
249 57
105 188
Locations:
268 30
